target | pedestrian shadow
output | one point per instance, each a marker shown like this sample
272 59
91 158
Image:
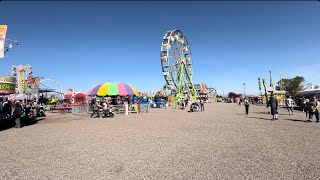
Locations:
296 120
259 118
8 124
267 113
31 121
260 112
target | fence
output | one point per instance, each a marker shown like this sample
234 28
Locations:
117 109
81 109
159 105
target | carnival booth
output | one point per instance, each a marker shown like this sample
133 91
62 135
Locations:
75 98
7 85
280 95
115 90
68 96
79 98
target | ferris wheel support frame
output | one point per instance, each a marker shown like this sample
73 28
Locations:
193 90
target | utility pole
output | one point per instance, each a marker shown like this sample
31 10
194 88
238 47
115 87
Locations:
244 89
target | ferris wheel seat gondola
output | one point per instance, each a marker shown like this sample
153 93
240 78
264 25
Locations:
185 49
170 87
164 58
166 73
166 46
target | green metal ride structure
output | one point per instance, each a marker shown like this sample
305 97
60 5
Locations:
176 63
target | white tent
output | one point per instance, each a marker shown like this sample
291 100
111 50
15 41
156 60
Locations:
310 92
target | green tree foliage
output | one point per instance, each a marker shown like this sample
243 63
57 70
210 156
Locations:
293 85
231 95
219 96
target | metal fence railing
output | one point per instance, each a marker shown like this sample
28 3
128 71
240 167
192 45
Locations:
81 109
117 109
159 105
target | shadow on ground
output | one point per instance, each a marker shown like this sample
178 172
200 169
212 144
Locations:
296 120
7 124
269 119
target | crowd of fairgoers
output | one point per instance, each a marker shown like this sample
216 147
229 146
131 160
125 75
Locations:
12 113
309 105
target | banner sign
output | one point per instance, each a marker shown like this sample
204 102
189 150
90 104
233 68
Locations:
3 31
7 85
21 81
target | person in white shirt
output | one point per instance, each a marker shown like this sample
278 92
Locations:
289 103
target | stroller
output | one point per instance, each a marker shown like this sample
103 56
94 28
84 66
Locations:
193 107
108 113
40 111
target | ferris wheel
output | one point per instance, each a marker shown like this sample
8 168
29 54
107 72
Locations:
176 65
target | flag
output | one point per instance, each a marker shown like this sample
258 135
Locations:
271 84
259 83
265 85
3 31
280 80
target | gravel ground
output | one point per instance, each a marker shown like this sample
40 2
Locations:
219 143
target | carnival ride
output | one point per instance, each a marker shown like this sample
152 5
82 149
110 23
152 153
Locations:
176 63
29 88
51 87
9 45
5 44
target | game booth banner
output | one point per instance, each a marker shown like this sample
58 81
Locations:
7 85
3 31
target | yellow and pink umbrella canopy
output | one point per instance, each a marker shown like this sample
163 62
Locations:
112 89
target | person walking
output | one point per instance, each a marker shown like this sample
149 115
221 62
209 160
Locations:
304 103
17 114
201 104
95 108
289 104
246 105
307 107
198 104
273 103
314 108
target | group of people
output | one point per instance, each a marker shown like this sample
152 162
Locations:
12 111
102 105
311 107
197 106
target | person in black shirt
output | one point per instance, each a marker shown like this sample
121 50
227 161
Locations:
273 103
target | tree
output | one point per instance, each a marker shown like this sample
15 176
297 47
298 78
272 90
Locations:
293 85
231 95
219 96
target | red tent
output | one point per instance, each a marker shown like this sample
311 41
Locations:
79 98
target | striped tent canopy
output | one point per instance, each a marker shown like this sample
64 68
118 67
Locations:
112 89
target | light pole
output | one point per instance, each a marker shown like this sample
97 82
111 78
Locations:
244 89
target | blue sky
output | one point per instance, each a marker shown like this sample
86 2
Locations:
81 44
